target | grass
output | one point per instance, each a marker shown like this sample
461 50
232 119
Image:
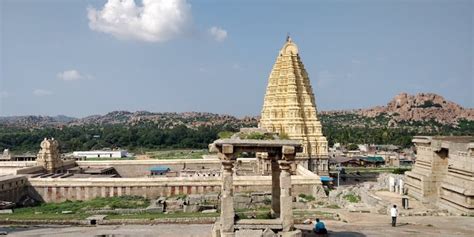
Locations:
78 208
177 154
352 198
333 206
98 159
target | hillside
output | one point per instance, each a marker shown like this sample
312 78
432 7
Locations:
396 123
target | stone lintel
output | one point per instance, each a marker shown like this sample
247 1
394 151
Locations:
227 149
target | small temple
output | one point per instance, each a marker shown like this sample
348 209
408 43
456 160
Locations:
289 109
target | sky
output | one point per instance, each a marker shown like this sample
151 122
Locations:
79 58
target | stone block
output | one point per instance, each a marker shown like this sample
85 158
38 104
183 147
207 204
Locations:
268 233
191 208
227 149
248 233
295 233
195 198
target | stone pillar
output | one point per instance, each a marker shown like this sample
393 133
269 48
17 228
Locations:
227 200
401 185
391 184
275 188
286 200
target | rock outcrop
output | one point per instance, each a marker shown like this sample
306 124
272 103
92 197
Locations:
421 107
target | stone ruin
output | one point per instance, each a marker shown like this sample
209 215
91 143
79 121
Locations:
281 155
49 156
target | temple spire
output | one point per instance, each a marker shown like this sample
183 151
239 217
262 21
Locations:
289 107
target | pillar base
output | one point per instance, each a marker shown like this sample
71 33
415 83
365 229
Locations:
294 233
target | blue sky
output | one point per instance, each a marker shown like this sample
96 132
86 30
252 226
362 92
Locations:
80 58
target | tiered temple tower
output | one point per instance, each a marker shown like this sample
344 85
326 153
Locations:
49 156
289 108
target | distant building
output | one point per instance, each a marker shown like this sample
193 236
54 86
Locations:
101 154
159 171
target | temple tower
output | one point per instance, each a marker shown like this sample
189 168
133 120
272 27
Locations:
289 108
49 156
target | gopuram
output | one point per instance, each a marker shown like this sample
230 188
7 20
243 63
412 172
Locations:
281 154
289 109
49 157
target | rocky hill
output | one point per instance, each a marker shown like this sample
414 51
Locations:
164 120
421 107
403 109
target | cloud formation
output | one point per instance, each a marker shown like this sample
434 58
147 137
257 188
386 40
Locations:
41 92
218 33
152 21
72 75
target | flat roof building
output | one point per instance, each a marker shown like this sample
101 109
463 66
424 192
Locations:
101 154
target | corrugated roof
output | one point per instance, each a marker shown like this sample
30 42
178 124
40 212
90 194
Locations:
160 168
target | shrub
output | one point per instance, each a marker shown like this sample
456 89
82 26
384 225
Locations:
225 134
267 201
352 198
307 197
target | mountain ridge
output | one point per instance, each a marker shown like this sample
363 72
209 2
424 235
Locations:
403 107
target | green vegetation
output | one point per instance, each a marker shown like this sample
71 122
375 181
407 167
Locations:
77 209
352 198
284 136
352 147
136 138
400 170
148 136
256 136
307 197
354 129
177 154
333 206
225 134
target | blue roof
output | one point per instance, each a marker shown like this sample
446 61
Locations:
326 179
160 168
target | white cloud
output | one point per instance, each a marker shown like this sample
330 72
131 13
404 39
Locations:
218 33
152 21
41 92
72 75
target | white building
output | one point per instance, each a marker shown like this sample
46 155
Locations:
101 154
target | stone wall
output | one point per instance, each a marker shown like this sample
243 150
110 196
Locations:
141 168
443 173
61 189
12 188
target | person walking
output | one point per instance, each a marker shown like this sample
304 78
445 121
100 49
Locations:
394 214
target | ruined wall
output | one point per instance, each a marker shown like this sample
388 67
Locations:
443 174
12 187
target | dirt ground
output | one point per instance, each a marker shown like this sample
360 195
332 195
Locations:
359 224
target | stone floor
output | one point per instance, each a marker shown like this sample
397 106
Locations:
359 224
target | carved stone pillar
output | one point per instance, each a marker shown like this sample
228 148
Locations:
227 200
275 188
286 200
